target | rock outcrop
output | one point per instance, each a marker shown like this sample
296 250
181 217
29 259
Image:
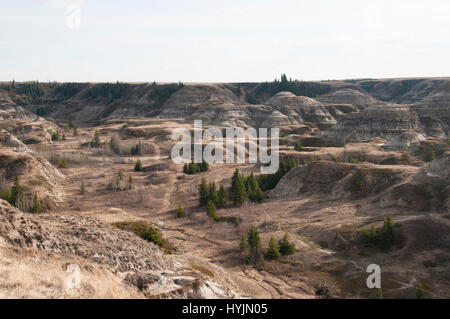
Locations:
34 172
350 96
434 111
133 259
383 120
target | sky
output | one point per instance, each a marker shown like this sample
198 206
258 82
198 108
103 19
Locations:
222 41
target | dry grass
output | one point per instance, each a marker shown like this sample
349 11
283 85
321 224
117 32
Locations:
32 274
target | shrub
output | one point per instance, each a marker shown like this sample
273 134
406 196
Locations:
5 194
114 144
419 291
95 143
55 136
130 182
82 188
299 147
180 211
143 230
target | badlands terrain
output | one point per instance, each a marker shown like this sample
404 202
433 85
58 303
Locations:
365 150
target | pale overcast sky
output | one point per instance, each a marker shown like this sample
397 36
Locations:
222 41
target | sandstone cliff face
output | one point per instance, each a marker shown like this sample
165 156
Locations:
29 127
10 111
383 120
434 111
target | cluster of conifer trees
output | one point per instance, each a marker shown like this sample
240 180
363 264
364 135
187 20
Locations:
15 196
383 238
299 88
256 253
67 90
108 90
194 168
269 181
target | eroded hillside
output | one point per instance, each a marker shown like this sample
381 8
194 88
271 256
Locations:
354 152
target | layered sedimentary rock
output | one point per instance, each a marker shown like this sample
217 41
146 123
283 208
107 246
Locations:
434 111
300 109
348 96
383 120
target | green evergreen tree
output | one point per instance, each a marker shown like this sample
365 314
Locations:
285 246
193 167
387 233
180 211
55 136
64 137
419 291
138 166
186 168
211 210
36 208
273 253
204 166
130 182
254 243
222 197
5 194
75 132
82 188
238 190
212 193
242 243
16 192
203 192
95 143
380 293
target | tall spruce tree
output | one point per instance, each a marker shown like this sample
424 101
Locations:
212 193
238 190
254 243
203 193
222 197
16 192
